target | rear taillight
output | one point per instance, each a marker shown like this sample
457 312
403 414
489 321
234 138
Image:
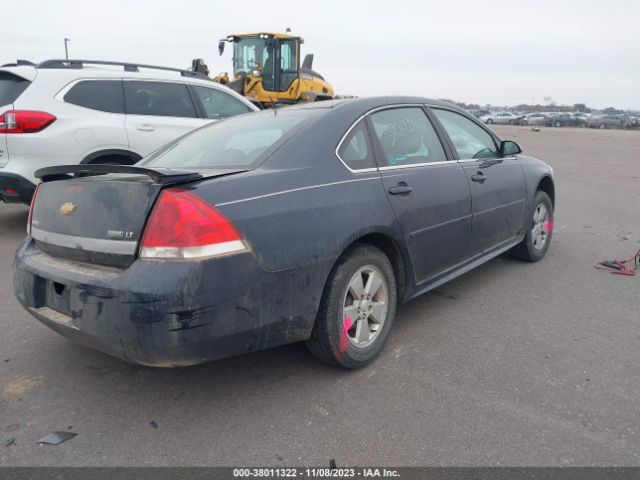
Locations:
33 202
183 226
25 121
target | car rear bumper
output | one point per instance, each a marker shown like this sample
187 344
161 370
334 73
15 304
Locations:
163 313
15 188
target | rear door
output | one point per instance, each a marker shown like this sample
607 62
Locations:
157 112
428 191
498 189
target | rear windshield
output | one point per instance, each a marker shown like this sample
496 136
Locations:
11 87
235 142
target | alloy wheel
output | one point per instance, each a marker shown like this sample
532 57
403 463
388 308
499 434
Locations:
365 306
541 227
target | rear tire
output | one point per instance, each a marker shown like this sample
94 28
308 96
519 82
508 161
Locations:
357 309
489 121
536 241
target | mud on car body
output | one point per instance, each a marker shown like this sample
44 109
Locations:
308 223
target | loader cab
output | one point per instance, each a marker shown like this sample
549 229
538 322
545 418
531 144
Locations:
274 57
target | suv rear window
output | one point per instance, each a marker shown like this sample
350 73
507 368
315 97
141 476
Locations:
234 142
162 99
103 95
11 87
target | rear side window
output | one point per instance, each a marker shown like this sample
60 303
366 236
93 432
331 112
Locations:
356 150
470 140
103 95
407 137
218 105
11 87
163 99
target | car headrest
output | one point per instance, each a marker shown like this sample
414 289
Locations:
402 138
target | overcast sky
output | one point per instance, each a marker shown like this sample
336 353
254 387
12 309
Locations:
500 52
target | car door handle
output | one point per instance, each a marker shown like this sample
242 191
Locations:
400 189
479 177
145 128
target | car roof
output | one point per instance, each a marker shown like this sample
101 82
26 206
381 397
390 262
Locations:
361 105
116 70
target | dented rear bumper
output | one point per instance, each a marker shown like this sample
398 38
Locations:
166 313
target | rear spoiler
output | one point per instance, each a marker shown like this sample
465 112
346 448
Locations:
162 176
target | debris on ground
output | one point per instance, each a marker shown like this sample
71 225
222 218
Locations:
621 267
535 129
153 424
55 438
10 441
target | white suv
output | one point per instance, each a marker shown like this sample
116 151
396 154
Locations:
78 111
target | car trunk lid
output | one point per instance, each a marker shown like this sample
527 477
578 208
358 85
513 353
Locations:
99 216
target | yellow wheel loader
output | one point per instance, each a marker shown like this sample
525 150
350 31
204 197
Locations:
267 70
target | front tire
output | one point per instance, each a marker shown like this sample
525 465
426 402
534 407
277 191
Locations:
357 309
536 241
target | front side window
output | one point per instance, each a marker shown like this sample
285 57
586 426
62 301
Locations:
470 140
103 95
356 150
250 54
162 99
237 142
406 137
217 104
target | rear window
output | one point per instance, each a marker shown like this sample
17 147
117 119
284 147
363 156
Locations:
102 95
11 87
235 142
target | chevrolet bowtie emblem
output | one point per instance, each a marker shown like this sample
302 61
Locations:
67 208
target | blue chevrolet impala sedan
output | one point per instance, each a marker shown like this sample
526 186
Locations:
307 223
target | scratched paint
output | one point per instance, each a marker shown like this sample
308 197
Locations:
344 337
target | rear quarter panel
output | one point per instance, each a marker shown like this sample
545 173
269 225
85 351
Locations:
298 213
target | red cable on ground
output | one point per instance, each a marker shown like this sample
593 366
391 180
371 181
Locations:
620 267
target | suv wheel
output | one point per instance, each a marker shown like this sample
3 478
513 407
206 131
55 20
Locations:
357 309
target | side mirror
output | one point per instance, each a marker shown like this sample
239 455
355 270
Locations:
508 147
221 46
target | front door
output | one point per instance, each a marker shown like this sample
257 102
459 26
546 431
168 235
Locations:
498 189
429 192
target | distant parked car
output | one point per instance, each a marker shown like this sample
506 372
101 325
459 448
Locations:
535 118
503 118
633 122
606 121
90 112
480 113
567 120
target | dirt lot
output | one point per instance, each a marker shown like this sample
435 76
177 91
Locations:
512 364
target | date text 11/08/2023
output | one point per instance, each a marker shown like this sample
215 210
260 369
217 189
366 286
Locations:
315 473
